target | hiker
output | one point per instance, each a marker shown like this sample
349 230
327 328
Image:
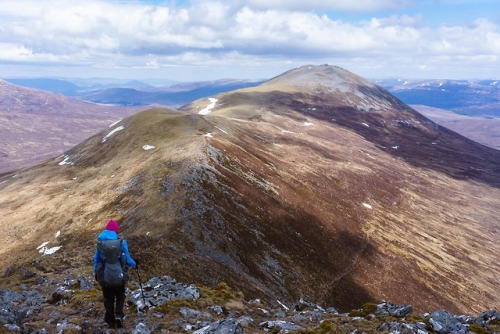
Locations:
111 260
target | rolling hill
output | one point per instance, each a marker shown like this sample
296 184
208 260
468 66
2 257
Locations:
36 125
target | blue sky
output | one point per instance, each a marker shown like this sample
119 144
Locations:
255 39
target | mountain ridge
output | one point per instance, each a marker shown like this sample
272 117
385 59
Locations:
278 193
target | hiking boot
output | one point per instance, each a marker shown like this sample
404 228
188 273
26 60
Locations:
119 322
111 325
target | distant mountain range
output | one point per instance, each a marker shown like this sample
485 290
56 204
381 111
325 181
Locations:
467 97
136 93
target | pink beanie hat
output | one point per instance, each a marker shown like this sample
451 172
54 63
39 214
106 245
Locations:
112 226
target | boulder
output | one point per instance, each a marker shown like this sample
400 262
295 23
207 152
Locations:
159 290
283 326
399 311
443 322
226 326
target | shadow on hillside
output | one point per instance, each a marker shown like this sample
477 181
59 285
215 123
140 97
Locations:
435 148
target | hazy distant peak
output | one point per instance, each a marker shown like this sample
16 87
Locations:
325 78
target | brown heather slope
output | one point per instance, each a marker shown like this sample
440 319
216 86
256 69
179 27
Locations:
316 184
37 125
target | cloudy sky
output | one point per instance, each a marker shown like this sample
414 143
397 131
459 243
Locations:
256 39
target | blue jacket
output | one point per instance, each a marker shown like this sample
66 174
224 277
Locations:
110 235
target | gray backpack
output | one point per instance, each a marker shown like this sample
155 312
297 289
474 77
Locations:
112 272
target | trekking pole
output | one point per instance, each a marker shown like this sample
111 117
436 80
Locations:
142 289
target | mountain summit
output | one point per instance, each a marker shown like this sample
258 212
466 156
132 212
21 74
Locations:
316 184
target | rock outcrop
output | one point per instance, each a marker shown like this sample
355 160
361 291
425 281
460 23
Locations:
164 305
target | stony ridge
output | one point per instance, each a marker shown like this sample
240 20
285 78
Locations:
73 304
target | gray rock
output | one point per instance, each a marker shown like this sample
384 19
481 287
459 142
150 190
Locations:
159 290
158 315
15 306
65 326
280 314
26 273
84 283
183 324
9 271
61 295
189 313
303 304
307 316
403 328
332 310
400 311
12 328
283 326
486 317
465 319
443 322
217 309
245 320
41 331
141 329
226 326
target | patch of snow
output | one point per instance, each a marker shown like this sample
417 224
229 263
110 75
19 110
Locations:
115 130
365 125
394 147
286 131
208 134
283 305
221 130
308 124
49 251
115 123
65 161
208 109
266 312
494 83
366 205
43 245
148 147
57 234
370 156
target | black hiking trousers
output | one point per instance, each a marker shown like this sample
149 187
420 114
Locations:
111 296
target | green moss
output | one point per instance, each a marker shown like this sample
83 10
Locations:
416 318
476 328
366 309
81 296
326 327
219 294
172 306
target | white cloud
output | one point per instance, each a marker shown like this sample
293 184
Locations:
344 5
255 33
